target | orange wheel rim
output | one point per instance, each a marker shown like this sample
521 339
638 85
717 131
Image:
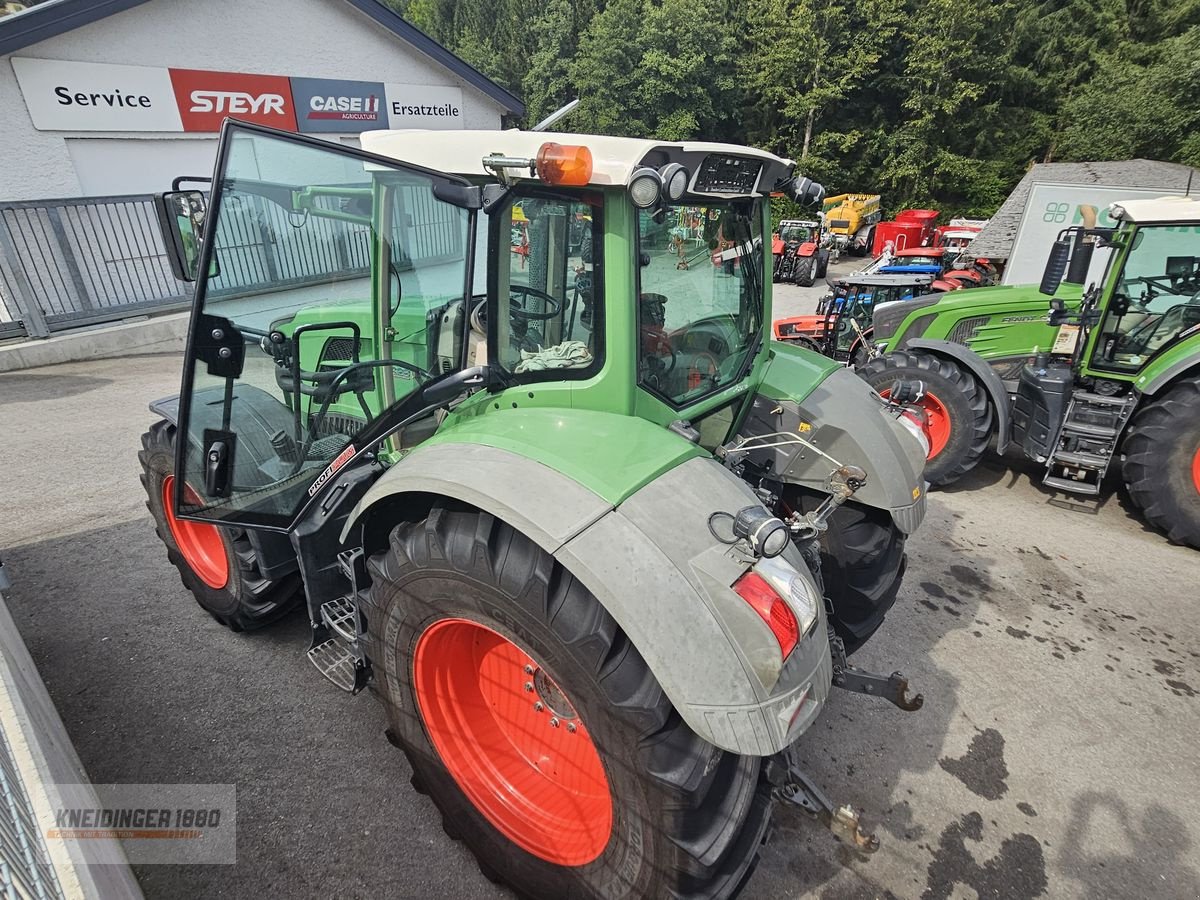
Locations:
935 423
199 543
513 742
1196 470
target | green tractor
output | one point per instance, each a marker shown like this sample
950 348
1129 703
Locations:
1111 373
598 545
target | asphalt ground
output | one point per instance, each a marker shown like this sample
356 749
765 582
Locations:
1058 652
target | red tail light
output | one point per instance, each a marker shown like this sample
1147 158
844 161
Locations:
779 617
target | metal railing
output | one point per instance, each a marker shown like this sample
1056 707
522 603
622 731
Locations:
65 263
68 263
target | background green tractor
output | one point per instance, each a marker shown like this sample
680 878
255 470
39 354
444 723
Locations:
600 547
1112 372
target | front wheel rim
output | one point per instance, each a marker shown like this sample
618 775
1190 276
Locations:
1196 471
199 543
935 423
512 741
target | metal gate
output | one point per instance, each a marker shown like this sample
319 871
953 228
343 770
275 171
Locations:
67 263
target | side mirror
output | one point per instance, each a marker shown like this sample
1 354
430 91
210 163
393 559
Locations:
1056 267
181 216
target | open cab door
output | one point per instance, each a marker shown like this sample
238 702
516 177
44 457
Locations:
334 286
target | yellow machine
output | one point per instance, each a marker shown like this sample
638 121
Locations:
850 220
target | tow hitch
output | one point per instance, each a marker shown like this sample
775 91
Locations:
893 688
791 784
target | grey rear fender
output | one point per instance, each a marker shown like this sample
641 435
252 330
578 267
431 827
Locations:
846 419
658 570
984 373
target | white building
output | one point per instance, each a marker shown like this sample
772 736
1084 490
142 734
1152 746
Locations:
109 97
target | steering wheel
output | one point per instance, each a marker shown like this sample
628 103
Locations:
519 312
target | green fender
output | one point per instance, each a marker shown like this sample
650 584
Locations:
655 566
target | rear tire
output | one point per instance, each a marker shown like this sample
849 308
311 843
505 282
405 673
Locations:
862 565
226 582
687 819
964 424
804 271
1162 462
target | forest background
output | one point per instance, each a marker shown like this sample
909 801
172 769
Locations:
941 103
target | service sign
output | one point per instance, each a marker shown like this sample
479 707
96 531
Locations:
207 98
79 96
326 104
424 106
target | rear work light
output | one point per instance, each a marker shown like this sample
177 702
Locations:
755 590
565 164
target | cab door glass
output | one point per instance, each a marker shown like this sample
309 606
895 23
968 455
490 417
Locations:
700 297
549 300
339 291
1156 300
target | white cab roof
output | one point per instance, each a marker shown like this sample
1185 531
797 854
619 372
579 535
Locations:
1160 209
462 152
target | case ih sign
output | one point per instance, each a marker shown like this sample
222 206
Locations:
75 96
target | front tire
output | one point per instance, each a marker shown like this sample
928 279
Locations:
959 417
1162 462
471 627
218 565
804 271
822 263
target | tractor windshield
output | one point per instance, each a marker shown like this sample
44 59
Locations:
1156 298
700 297
793 233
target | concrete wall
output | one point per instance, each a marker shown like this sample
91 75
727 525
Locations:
313 38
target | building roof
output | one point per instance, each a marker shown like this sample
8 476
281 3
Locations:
613 158
55 17
995 241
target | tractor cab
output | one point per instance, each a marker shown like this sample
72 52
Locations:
342 296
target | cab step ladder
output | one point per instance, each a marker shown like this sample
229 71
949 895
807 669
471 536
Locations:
1087 441
338 646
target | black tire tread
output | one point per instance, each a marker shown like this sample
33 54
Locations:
877 372
722 810
1155 431
262 601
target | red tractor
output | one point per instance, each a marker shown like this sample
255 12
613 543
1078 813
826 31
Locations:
799 256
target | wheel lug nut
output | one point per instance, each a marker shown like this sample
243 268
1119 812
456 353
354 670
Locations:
571 727
529 670
529 686
537 707
554 721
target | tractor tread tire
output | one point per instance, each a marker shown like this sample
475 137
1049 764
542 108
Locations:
703 812
1160 447
804 271
963 397
249 600
863 562
822 263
